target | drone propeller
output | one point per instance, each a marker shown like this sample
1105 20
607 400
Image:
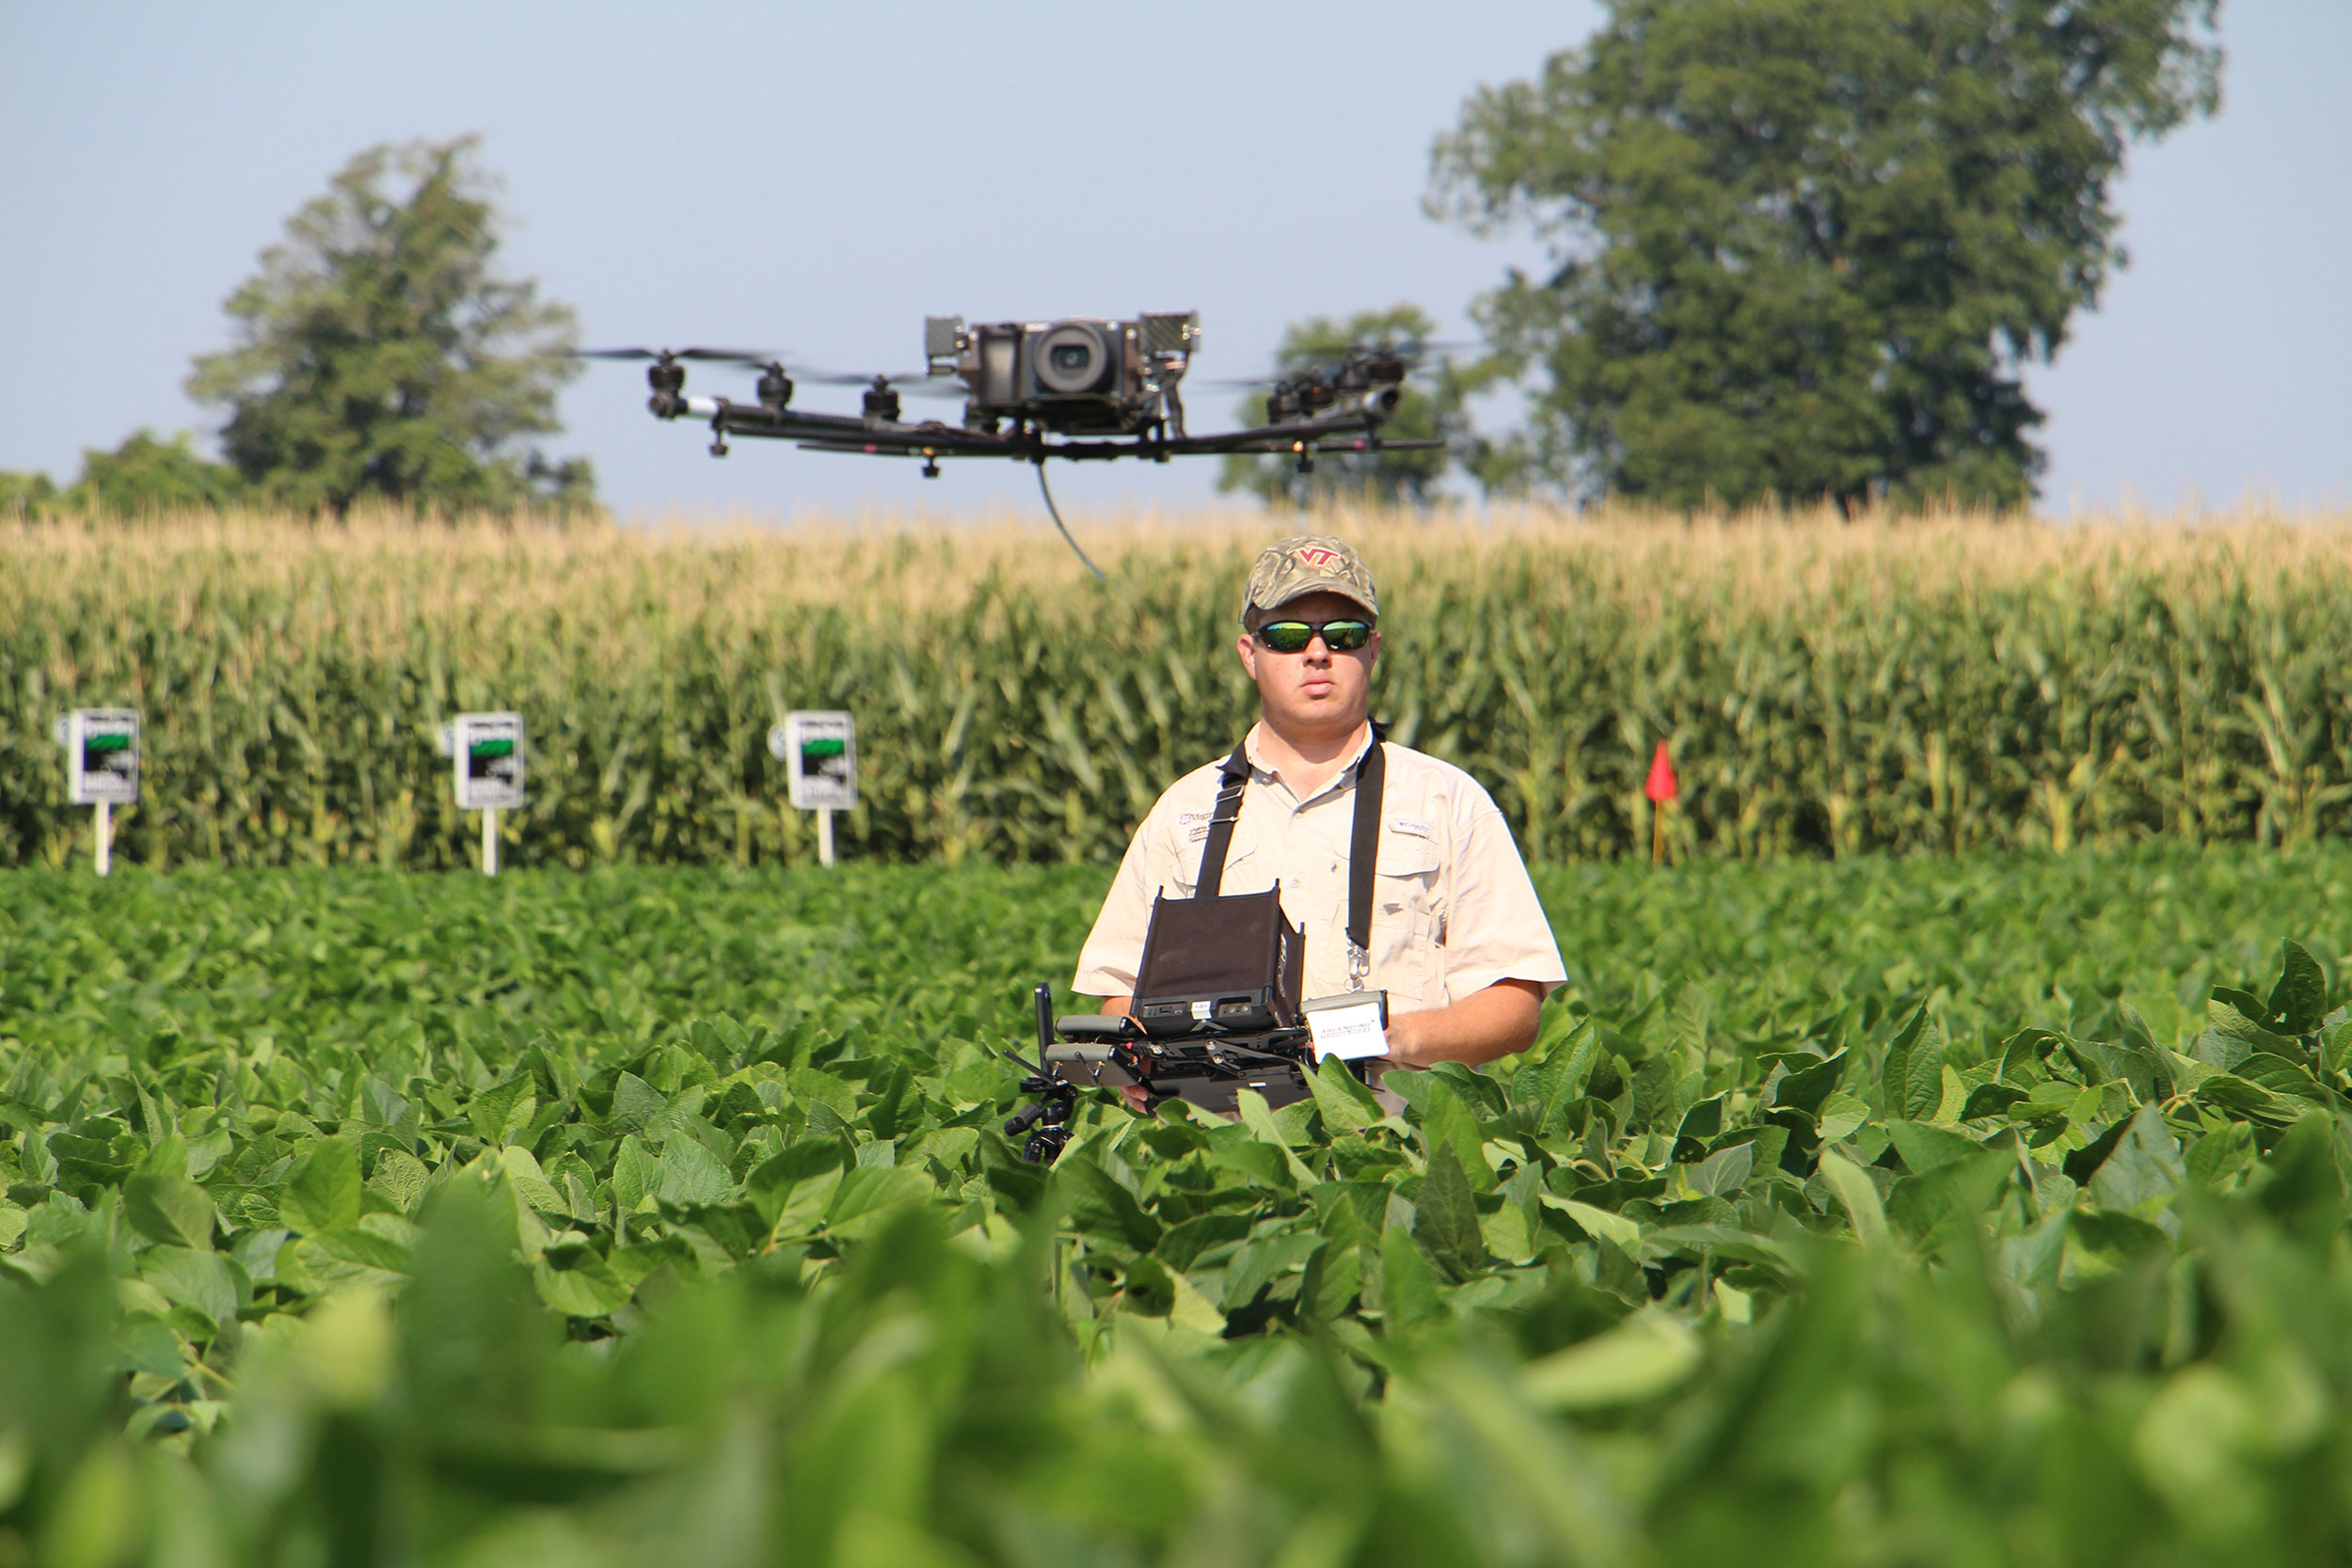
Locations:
734 355
1383 356
667 377
859 378
921 384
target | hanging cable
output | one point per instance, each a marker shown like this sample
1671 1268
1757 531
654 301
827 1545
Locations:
1052 511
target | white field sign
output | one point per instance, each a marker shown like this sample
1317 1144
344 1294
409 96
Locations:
101 753
486 755
818 751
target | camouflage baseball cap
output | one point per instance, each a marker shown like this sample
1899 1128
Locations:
1307 564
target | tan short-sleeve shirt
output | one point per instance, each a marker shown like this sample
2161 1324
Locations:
1452 914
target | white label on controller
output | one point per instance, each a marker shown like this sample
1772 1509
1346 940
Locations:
1349 1032
1201 1009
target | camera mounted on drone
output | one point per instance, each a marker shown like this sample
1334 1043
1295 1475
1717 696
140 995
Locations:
1080 375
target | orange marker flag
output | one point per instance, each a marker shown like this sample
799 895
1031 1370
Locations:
1663 789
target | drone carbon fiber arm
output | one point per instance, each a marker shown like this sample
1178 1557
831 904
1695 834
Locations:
1348 432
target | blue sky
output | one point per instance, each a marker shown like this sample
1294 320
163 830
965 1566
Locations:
816 178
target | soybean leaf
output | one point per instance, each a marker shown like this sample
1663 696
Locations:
1264 1260
1808 1089
1102 1210
1946 1202
1347 1104
401 1178
1445 1219
1840 1115
2144 1168
2084 1162
636 1102
1924 1146
1260 1120
1147 1289
868 1197
582 1286
322 1191
1990 1099
636 1174
1723 1172
2281 1076
170 1208
1447 1121
346 1259
1554 1077
1597 1223
691 1174
1647 1355
203 1282
1895 1068
815 1087
770 1184
2244 1003
1923 1077
1855 1194
1408 1289
496 1113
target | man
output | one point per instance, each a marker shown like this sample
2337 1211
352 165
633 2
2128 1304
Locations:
1457 938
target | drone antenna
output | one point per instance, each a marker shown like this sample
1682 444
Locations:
1054 511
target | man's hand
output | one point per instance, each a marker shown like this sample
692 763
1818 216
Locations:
1138 1098
1479 1028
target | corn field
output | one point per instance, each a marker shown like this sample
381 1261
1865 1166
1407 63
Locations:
1826 687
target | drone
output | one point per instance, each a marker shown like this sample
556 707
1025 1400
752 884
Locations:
1082 388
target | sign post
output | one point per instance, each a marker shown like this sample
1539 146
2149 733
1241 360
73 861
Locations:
486 757
101 760
820 754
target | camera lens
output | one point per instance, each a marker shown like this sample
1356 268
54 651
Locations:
1072 359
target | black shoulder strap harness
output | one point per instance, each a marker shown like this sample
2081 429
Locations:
1362 852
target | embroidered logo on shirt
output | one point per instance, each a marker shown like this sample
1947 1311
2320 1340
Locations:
1409 825
1197 832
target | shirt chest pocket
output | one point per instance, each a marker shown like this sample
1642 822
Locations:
1406 890
1407 924
1242 873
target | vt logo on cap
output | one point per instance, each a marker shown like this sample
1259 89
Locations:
1307 564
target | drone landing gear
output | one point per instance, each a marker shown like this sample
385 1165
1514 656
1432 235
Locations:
931 464
1306 456
718 440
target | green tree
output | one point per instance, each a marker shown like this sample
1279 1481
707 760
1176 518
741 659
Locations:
23 495
1320 342
1804 248
145 475
380 357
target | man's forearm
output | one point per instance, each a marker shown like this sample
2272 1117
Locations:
1479 1028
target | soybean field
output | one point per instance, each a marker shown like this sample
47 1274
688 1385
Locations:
1940 1209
